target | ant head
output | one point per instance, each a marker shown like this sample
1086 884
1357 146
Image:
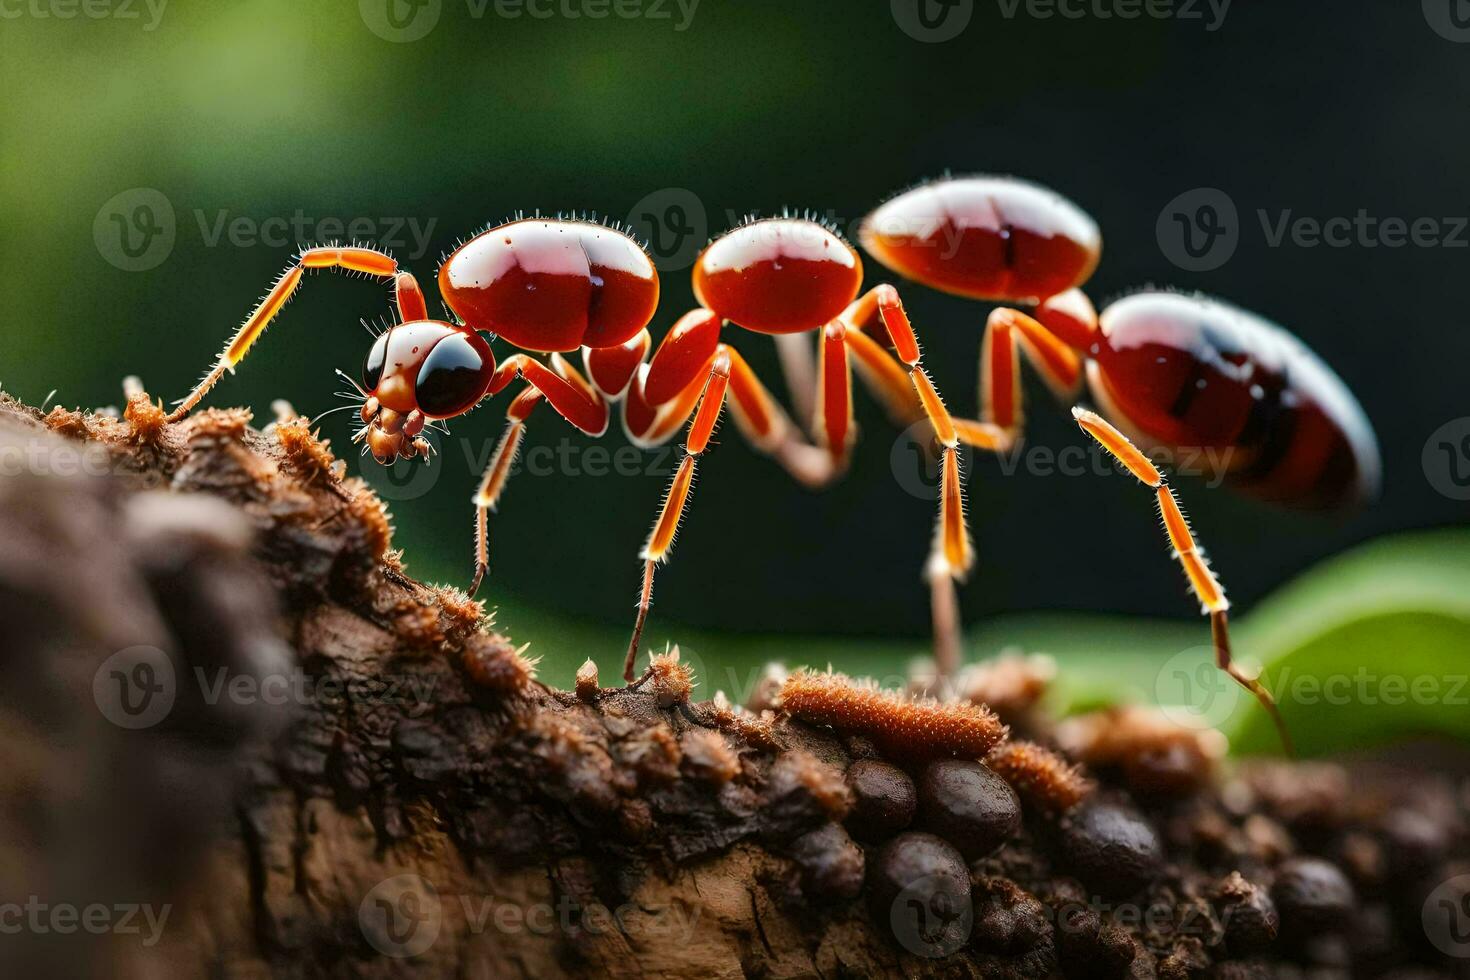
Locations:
416 372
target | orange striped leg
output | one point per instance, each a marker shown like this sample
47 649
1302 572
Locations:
1052 342
1202 579
799 367
952 554
409 298
661 539
954 540
763 422
368 261
884 377
565 390
496 473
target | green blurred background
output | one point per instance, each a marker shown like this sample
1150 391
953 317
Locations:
227 120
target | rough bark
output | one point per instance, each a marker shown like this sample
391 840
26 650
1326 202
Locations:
221 696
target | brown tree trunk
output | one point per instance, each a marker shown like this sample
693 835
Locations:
236 741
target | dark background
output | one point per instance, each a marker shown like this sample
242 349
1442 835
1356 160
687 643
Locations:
256 109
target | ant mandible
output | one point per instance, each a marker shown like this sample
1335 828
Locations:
1171 370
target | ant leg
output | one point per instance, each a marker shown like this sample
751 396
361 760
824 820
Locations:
798 366
954 539
766 426
1053 341
368 261
1007 333
496 474
409 298
1201 579
564 390
661 538
952 555
612 369
885 378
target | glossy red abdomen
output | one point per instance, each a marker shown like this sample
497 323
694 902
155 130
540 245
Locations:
1189 374
549 285
991 238
778 275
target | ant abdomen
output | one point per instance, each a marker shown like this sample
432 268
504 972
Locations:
1196 375
992 238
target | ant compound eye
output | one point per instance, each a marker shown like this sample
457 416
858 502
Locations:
372 368
452 377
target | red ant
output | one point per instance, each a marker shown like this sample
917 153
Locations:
1172 371
783 276
541 284
558 285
